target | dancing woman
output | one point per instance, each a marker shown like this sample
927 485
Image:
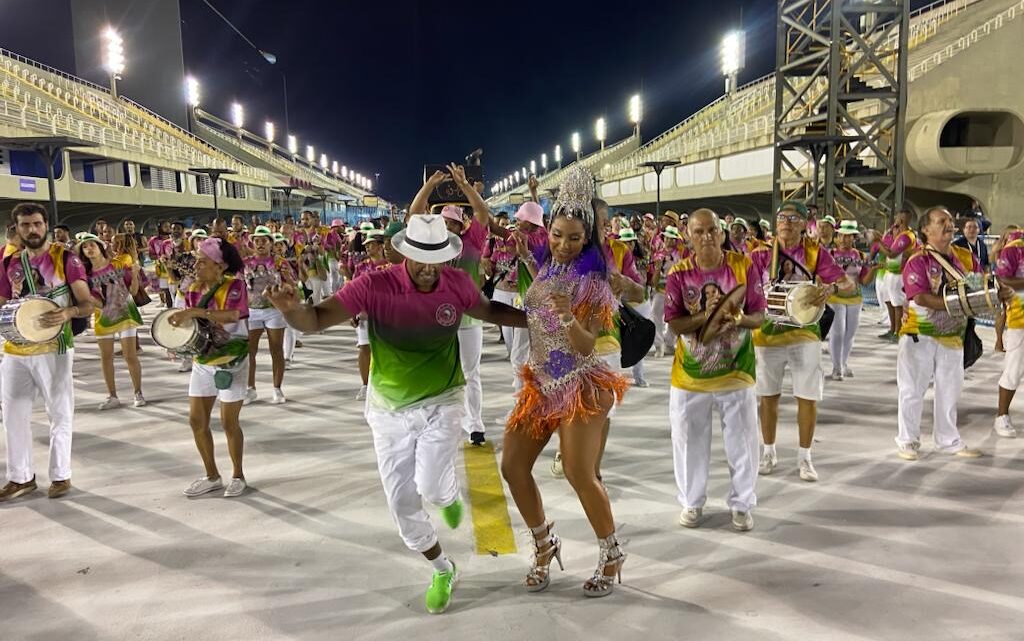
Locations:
263 270
112 282
847 306
566 386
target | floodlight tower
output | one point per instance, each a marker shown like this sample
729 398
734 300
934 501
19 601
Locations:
733 52
113 57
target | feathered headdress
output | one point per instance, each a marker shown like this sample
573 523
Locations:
575 196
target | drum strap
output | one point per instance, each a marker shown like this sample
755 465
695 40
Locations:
951 271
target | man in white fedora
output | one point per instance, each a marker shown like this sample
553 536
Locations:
414 403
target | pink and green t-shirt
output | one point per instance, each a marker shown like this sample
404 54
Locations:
112 286
414 343
1011 265
922 274
727 362
856 265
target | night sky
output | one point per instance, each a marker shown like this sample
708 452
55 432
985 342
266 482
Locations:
384 87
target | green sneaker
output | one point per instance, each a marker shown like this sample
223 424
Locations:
452 514
439 594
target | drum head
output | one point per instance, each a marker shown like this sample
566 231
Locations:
727 305
26 320
168 336
802 307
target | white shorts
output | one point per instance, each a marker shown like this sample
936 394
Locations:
892 286
270 318
362 334
163 283
131 332
201 383
804 361
1013 363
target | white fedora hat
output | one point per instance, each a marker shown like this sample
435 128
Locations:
427 240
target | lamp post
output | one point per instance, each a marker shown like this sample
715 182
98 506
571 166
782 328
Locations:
237 118
658 166
113 57
733 53
214 173
192 99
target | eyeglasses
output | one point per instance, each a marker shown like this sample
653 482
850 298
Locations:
793 218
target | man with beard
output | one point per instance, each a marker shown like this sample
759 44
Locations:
44 368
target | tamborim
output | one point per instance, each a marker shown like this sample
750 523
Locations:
982 302
19 320
192 337
793 304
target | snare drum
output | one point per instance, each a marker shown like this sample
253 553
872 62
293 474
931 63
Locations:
793 304
19 320
983 302
190 338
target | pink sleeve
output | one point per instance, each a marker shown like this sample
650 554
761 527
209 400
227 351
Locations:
192 298
760 259
355 295
915 277
1006 266
900 244
476 237
238 298
5 281
755 293
488 249
827 268
73 269
674 287
467 291
629 269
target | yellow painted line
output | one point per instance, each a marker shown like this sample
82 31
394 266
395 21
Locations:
492 526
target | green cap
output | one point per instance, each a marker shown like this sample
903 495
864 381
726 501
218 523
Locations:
262 230
794 205
393 228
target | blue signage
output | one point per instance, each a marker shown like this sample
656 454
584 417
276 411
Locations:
26 184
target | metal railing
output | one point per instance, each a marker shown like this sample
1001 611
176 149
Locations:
964 42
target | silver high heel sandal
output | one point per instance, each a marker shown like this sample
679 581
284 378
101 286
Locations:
545 549
611 556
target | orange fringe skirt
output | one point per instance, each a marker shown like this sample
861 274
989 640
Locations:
540 415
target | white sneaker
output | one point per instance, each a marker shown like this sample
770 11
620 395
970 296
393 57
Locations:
250 396
139 401
836 375
908 452
185 366
235 488
556 467
690 517
767 464
968 452
641 383
1004 427
110 403
742 521
659 351
278 397
807 471
288 363
203 486
361 394
847 372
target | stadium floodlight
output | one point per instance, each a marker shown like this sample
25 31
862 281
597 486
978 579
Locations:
733 54
113 57
558 155
636 110
600 131
293 144
576 144
323 162
515 174
369 185
192 92
334 167
533 167
268 130
237 115
522 172
310 154
544 162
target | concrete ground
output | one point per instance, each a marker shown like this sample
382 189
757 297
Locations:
880 548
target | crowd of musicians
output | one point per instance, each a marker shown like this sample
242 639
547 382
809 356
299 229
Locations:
562 286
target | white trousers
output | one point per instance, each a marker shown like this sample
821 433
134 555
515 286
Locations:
290 336
416 459
663 334
23 376
509 298
840 337
319 288
917 364
471 344
690 417
1013 362
334 277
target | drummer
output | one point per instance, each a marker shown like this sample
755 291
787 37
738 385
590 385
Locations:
718 373
220 298
263 270
791 257
45 269
931 348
